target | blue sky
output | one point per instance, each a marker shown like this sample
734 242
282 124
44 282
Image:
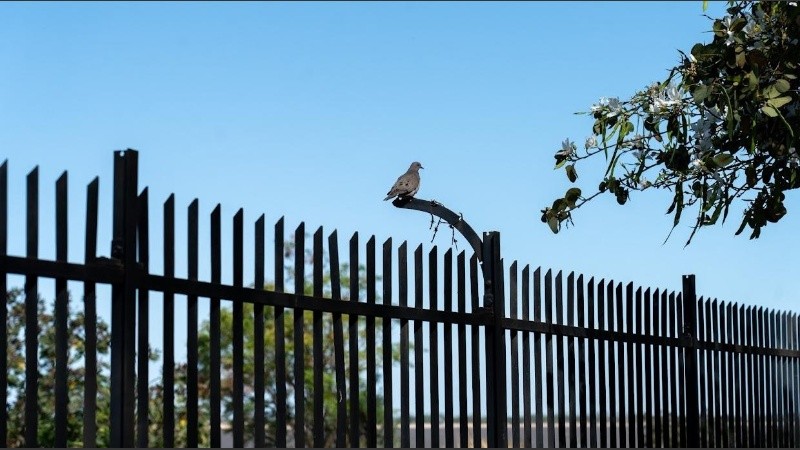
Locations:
311 110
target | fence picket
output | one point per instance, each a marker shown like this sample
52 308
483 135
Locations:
621 366
259 437
192 428
31 312
433 337
514 374
280 342
386 322
449 438
527 438
168 367
371 425
143 332
215 370
90 319
61 313
338 343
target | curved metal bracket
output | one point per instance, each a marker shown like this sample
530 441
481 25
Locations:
439 210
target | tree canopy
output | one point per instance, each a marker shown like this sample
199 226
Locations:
720 129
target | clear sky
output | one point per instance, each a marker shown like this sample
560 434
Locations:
311 111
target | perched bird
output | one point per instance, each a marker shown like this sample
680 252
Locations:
407 184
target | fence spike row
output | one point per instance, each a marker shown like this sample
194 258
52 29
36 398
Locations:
623 365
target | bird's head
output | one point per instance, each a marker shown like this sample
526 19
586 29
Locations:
416 166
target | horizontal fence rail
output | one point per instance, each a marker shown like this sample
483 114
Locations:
379 345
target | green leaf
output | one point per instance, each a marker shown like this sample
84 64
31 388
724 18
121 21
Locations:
552 222
778 102
572 196
722 159
700 93
782 86
571 173
705 5
770 111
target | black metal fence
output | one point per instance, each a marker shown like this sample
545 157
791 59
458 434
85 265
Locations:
526 358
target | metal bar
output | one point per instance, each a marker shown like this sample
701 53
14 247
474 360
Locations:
143 332
433 335
704 358
461 290
725 374
280 341
168 324
238 331
371 425
573 429
527 437
319 366
690 360
592 371
647 439
675 376
582 367
338 344
449 438
192 415
61 316
604 367
734 334
437 209
355 405
682 408
747 321
259 423
634 386
405 396
666 382
622 418
386 322
419 394
89 314
299 341
515 419
612 372
635 366
717 374
4 310
537 358
659 369
476 374
497 431
711 376
548 347
215 371
561 394
32 313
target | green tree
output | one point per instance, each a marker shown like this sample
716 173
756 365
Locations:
721 127
15 352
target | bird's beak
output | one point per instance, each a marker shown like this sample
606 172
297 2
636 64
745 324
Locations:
420 166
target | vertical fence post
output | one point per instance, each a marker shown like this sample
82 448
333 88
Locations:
690 360
497 432
123 312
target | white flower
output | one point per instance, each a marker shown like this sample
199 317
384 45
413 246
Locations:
612 106
667 99
567 148
792 3
727 21
644 184
590 142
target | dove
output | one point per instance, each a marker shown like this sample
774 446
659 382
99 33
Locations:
407 184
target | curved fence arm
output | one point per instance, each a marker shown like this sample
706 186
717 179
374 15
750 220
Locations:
439 210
